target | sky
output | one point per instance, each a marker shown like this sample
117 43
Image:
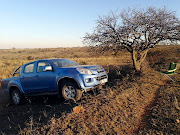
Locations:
60 23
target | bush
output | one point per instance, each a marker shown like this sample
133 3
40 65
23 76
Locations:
30 58
83 63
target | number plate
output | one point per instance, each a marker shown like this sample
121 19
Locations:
103 81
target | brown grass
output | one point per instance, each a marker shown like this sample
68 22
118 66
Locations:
129 104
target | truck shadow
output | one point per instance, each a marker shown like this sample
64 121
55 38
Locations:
37 109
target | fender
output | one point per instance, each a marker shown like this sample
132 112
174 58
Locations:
16 83
69 78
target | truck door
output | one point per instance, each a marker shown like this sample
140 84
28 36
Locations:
45 79
28 78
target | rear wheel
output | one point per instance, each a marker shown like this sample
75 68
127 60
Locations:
16 97
71 91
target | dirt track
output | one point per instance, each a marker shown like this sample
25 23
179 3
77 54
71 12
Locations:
38 109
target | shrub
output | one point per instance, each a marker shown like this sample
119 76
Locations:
83 63
30 58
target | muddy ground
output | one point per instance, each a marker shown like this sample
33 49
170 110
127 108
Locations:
36 109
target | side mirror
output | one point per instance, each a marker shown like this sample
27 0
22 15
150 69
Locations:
48 68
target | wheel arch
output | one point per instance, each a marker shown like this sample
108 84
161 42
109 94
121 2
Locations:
68 79
13 87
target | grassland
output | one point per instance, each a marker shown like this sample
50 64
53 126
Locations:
129 104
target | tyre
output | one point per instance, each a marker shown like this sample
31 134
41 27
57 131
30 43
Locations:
71 91
15 97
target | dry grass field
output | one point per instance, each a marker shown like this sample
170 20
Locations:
128 104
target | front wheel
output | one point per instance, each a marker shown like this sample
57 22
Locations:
16 97
71 91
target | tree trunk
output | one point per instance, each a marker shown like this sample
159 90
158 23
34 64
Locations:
138 58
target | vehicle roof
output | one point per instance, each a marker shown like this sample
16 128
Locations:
51 59
44 60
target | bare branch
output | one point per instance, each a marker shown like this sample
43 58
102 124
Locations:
135 30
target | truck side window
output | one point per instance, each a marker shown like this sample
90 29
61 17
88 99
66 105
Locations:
29 68
41 66
17 73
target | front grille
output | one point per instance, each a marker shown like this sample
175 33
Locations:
99 78
100 70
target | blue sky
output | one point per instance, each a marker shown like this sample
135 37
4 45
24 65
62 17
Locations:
59 23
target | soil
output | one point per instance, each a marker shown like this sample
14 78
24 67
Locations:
36 109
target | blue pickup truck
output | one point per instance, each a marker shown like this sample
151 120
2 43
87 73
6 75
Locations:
62 77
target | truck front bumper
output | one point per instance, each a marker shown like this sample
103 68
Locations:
89 82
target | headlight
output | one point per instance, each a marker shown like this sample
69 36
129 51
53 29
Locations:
84 71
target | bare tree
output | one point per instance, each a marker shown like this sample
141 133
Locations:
135 30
